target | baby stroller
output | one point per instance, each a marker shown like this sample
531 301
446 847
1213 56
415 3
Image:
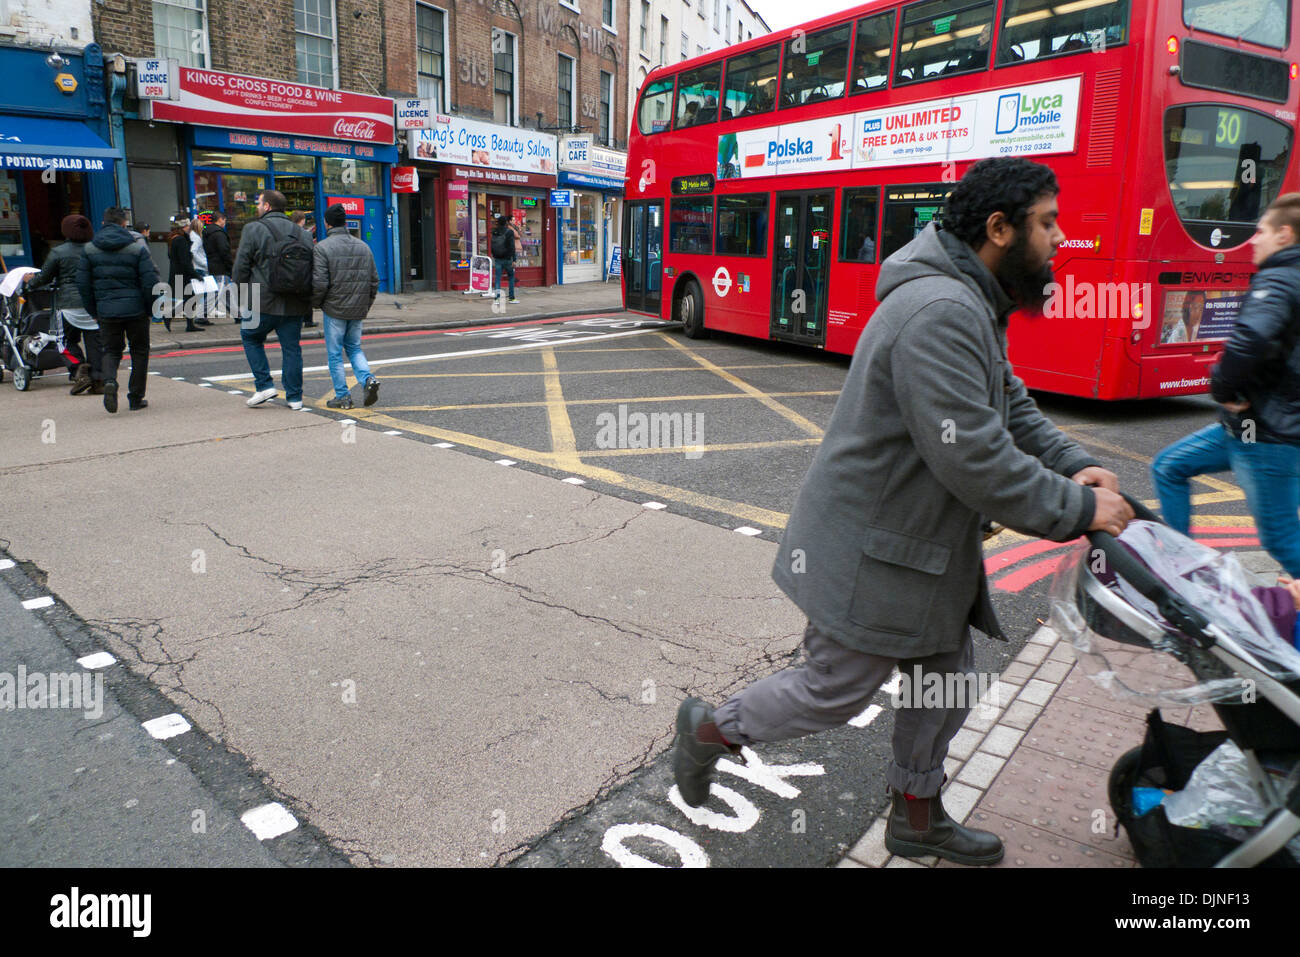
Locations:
1226 798
32 340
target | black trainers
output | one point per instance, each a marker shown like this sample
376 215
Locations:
697 749
110 395
339 403
137 404
372 391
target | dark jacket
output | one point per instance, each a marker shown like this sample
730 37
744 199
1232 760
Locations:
116 277
216 243
253 263
1261 361
510 238
931 436
344 278
61 270
180 259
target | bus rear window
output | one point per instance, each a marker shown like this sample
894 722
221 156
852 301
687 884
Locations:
1033 29
654 115
1266 22
697 96
943 37
1224 165
751 82
816 67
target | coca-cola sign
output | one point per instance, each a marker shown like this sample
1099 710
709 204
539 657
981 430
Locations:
209 98
405 179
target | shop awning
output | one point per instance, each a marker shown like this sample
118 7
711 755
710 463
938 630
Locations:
33 143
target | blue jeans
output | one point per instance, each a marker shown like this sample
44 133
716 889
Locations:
1268 472
344 335
288 330
506 266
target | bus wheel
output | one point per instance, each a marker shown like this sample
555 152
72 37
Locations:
690 310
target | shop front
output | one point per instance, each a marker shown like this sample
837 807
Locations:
315 146
469 174
54 160
589 226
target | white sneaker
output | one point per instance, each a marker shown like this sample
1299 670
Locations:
296 405
266 395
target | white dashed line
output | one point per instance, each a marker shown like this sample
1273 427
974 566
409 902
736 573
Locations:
100 659
746 530
393 432
654 505
178 378
206 385
5 563
347 421
168 726
155 373
234 392
575 481
45 601
868 716
443 445
506 462
269 820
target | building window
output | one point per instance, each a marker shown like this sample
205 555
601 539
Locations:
645 26
663 41
686 47
607 14
503 88
566 117
726 37
313 23
717 15
430 44
606 107
180 31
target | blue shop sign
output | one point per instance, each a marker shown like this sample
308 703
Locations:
590 181
28 142
292 143
561 198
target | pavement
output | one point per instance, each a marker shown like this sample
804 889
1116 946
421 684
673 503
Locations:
417 311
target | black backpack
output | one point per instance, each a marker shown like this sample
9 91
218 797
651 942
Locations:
290 264
503 244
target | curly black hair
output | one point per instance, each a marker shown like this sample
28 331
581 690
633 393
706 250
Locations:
1004 184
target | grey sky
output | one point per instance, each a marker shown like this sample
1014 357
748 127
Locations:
779 14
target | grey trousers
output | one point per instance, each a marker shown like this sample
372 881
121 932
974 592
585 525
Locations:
836 683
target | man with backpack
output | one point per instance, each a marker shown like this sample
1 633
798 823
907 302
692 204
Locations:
504 252
275 256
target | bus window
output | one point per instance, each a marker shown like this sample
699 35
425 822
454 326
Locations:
690 226
1032 29
742 226
1259 21
858 225
871 52
751 82
653 114
697 96
815 67
943 37
908 210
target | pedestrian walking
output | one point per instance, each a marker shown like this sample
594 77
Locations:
504 253
1257 383
216 244
180 265
275 256
117 278
206 301
932 437
76 324
345 282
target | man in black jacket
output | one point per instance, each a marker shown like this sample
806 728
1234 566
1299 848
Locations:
1257 381
117 281
216 243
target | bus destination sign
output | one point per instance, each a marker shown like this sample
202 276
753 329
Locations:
686 185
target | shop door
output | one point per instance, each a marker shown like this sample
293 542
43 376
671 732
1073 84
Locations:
643 235
420 236
581 225
801 267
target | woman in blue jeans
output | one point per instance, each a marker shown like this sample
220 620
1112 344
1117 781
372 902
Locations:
1257 381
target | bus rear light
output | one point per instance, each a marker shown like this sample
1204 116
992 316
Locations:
1295 70
1138 310
1172 45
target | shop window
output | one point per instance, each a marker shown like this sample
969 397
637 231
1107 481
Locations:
292 163
582 230
858 225
656 101
697 96
871 52
180 31
11 225
349 177
742 226
219 159
751 82
942 37
815 67
313 23
430 47
460 237
690 226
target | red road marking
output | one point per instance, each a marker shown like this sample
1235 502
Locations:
1010 556
1022 578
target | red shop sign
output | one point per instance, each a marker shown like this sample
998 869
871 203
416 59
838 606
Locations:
353 207
405 180
209 98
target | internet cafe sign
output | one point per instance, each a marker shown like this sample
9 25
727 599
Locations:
580 154
469 142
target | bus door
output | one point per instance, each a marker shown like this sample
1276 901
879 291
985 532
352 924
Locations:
643 242
801 267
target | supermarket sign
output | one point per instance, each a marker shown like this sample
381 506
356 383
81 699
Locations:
1034 120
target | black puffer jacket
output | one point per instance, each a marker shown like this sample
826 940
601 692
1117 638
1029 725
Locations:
216 243
344 278
1261 361
61 270
116 277
180 259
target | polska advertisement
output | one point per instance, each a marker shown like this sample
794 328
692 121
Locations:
1039 119
456 140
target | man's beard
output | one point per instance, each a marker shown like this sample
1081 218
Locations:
1026 286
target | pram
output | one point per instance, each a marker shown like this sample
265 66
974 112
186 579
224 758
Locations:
1190 798
32 336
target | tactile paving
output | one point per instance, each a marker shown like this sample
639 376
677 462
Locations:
1028 846
1085 734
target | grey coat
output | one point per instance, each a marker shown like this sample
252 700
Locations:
931 436
253 263
344 278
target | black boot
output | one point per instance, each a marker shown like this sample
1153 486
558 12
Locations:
919 827
698 747
110 395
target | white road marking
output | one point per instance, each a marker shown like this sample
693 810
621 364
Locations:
178 378
100 659
450 355
506 462
746 815
206 385
234 392
6 563
770 776
746 530
688 852
168 726
45 601
868 716
574 481
347 421
444 445
269 820
655 505
392 432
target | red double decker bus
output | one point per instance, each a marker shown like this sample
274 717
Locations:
768 181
